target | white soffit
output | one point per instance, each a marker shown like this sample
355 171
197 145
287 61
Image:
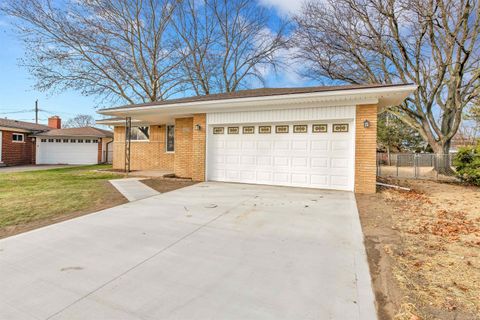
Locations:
383 96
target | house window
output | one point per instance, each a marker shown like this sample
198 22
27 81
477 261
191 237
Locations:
170 138
18 137
140 133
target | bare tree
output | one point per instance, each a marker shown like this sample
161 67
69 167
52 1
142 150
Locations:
80 121
433 43
118 49
226 43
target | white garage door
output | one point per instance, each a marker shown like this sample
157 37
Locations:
305 156
67 151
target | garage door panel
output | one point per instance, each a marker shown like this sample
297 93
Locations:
300 146
281 162
232 159
319 180
319 147
264 160
339 163
248 160
320 160
341 145
248 175
316 162
340 180
280 146
281 177
248 146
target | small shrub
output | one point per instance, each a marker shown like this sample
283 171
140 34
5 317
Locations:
467 164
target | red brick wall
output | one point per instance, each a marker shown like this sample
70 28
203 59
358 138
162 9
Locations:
17 153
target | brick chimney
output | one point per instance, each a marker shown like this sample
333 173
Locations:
55 122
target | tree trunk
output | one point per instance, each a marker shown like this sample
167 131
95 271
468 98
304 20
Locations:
443 158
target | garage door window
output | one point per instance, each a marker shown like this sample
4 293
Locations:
319 128
65 140
341 127
44 140
281 129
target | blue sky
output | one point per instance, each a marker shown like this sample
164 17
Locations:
16 85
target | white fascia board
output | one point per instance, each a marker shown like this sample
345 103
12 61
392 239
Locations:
116 122
381 95
15 130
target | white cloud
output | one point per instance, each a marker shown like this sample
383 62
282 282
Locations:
284 7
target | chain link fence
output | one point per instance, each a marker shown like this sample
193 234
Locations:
416 166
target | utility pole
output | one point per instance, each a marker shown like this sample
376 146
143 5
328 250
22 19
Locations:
36 111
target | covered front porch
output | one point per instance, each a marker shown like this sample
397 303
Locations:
157 146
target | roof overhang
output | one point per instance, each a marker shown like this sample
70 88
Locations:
165 113
3 128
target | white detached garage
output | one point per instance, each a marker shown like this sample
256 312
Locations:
87 145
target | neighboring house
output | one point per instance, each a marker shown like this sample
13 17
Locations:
459 140
17 147
30 143
320 137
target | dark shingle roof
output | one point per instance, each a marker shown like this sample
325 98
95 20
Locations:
263 92
77 132
15 124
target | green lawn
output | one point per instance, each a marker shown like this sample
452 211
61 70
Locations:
30 199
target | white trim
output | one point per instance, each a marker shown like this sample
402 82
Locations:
18 134
15 130
384 96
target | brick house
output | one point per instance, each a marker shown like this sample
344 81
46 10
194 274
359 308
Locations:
23 143
319 137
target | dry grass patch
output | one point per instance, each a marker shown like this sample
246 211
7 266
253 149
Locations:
425 245
33 199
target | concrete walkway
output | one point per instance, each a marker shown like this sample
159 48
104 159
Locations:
133 189
208 251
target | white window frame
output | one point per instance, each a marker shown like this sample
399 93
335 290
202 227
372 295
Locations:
18 135
166 138
143 140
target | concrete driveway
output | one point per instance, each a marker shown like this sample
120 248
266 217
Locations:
209 251
32 167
